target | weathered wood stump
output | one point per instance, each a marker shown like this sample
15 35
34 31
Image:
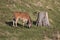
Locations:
42 19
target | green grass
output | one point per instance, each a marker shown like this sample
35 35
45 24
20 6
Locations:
8 32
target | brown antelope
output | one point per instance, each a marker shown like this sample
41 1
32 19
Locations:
22 16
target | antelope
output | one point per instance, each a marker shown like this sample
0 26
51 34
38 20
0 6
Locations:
22 16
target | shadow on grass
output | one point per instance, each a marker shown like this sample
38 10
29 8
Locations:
11 24
34 22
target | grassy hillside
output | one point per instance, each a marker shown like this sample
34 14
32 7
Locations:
7 7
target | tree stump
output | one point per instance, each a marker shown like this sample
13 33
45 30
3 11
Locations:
42 19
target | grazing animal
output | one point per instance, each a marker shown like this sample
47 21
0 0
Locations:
22 16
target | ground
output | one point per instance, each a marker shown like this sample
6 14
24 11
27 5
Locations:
8 32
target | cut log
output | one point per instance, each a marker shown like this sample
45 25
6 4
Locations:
42 19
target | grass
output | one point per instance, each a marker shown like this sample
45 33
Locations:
8 32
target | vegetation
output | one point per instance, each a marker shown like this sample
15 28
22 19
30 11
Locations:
8 32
